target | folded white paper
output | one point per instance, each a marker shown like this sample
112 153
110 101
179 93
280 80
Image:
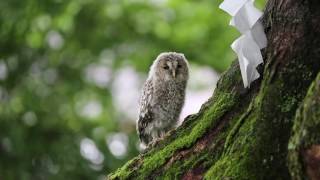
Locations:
247 47
249 57
246 17
258 35
232 6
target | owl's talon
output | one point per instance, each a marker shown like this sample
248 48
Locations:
156 141
151 145
169 133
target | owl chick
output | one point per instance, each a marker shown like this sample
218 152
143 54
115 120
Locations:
163 96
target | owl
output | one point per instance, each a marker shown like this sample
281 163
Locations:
162 97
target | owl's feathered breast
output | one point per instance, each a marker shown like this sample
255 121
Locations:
160 106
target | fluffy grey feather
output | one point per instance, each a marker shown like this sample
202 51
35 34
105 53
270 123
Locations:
163 96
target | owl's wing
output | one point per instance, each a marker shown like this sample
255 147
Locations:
146 114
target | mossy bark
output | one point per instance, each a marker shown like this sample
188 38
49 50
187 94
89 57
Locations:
244 133
304 145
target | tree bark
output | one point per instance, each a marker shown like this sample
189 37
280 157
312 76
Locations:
244 133
304 145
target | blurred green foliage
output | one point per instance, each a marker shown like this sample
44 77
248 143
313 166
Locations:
45 47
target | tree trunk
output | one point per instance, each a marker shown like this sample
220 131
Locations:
270 131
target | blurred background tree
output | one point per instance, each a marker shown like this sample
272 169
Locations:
71 73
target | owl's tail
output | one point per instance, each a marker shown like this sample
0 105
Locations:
144 137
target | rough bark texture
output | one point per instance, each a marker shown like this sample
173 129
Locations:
244 133
304 145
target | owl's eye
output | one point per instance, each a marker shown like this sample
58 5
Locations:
166 67
179 66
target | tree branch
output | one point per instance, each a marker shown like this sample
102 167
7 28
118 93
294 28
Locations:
243 133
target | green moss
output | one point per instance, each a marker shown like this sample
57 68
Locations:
156 158
305 131
237 126
124 171
250 151
217 110
289 102
234 162
201 160
225 97
179 167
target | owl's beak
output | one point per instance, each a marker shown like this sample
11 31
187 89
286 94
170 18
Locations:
174 73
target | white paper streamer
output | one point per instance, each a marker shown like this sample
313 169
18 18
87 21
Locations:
245 18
